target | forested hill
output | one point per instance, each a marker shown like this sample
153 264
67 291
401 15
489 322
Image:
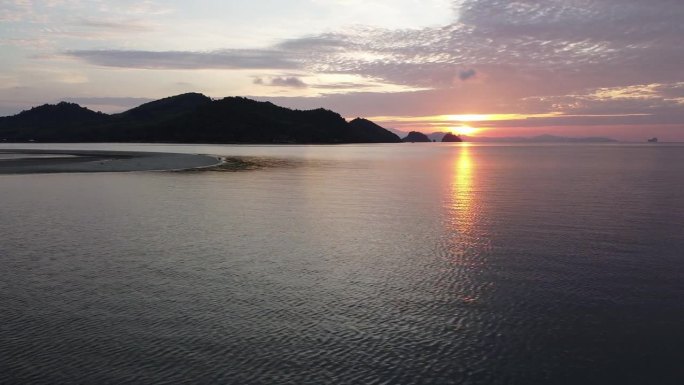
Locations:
190 118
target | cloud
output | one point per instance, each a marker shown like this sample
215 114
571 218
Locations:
29 43
291 81
324 43
607 41
282 81
15 10
54 11
467 74
224 59
126 26
538 38
344 86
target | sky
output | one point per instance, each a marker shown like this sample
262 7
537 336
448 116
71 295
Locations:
480 67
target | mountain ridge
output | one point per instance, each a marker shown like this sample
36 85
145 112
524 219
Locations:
191 118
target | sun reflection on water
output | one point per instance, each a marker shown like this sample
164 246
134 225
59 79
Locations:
464 246
462 191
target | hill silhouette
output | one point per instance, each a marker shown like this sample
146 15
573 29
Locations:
191 118
371 130
415 136
165 109
50 122
449 137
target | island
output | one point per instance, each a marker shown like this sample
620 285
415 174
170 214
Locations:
415 136
449 137
191 118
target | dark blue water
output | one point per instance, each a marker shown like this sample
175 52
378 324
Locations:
389 264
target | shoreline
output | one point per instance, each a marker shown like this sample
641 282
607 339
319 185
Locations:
28 161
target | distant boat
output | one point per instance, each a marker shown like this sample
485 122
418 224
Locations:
653 140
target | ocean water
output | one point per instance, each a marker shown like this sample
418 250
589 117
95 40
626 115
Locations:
359 264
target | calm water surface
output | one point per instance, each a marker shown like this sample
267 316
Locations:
377 264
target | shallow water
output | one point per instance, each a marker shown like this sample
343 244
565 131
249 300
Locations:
10 156
409 264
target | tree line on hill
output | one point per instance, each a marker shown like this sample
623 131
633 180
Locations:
191 118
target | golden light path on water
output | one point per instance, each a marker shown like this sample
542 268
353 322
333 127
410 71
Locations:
467 246
462 190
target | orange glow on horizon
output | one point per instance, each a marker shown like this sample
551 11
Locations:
491 117
457 124
468 117
460 118
515 125
464 130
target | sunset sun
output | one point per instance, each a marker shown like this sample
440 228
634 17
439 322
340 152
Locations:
464 130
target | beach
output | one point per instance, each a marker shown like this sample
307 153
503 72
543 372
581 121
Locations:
19 161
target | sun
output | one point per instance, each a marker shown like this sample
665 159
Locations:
464 130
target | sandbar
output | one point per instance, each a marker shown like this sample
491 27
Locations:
18 161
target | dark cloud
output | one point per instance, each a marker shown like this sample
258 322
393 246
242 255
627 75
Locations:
467 74
290 81
325 42
224 59
281 81
675 90
343 86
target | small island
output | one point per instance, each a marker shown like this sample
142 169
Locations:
415 136
449 137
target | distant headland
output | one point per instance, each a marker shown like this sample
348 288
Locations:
191 118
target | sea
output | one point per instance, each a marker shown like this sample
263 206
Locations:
427 263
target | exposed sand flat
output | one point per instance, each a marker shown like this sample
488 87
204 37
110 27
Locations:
54 161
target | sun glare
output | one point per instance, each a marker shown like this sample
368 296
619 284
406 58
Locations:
464 130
